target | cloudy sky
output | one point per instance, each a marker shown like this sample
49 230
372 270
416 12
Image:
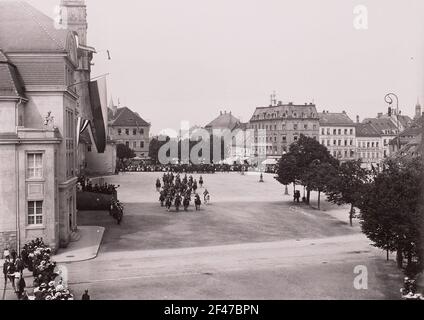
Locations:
189 59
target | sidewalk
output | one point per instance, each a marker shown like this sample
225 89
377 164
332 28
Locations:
86 248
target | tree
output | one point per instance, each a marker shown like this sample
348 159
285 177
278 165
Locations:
287 171
392 212
318 176
346 186
305 152
124 152
154 147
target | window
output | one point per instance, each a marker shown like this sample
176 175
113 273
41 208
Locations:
328 131
88 148
335 142
351 131
345 143
345 132
134 144
127 132
295 127
35 212
141 144
334 131
284 138
35 165
323 131
127 144
340 142
328 143
340 131
377 144
295 138
305 127
119 132
134 132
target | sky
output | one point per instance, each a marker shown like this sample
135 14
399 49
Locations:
187 60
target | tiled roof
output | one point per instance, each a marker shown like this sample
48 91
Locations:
365 130
126 118
334 119
289 110
26 29
224 121
382 124
10 81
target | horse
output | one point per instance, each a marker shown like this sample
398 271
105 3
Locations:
168 203
186 203
177 202
197 202
207 199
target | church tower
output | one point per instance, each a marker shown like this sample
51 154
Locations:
74 18
418 110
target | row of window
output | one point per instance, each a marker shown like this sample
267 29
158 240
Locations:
369 155
134 132
286 114
274 127
344 154
363 144
339 143
135 144
328 131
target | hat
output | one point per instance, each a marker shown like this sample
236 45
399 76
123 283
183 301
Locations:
51 284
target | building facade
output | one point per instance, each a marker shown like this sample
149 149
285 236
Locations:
39 107
128 128
369 145
276 127
338 133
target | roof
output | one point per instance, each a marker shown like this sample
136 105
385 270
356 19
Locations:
26 29
366 130
241 126
224 121
334 119
124 117
11 84
382 124
285 110
405 120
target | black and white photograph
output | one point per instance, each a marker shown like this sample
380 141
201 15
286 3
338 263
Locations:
239 151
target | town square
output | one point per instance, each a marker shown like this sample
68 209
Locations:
234 150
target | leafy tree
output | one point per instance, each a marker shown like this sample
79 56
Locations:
392 211
287 171
307 151
346 186
124 152
318 176
154 147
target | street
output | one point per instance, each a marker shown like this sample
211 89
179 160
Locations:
266 248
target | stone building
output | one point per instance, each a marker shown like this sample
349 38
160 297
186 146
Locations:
369 145
39 106
337 133
279 125
128 128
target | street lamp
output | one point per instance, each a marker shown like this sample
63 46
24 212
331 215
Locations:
389 99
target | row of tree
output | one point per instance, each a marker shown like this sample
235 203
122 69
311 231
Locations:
389 199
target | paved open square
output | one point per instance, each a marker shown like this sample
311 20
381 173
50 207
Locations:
251 242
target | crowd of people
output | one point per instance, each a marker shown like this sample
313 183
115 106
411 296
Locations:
185 168
36 257
178 191
86 185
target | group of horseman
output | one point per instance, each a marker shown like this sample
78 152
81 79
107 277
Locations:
176 191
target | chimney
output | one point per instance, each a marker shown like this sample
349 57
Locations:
357 119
